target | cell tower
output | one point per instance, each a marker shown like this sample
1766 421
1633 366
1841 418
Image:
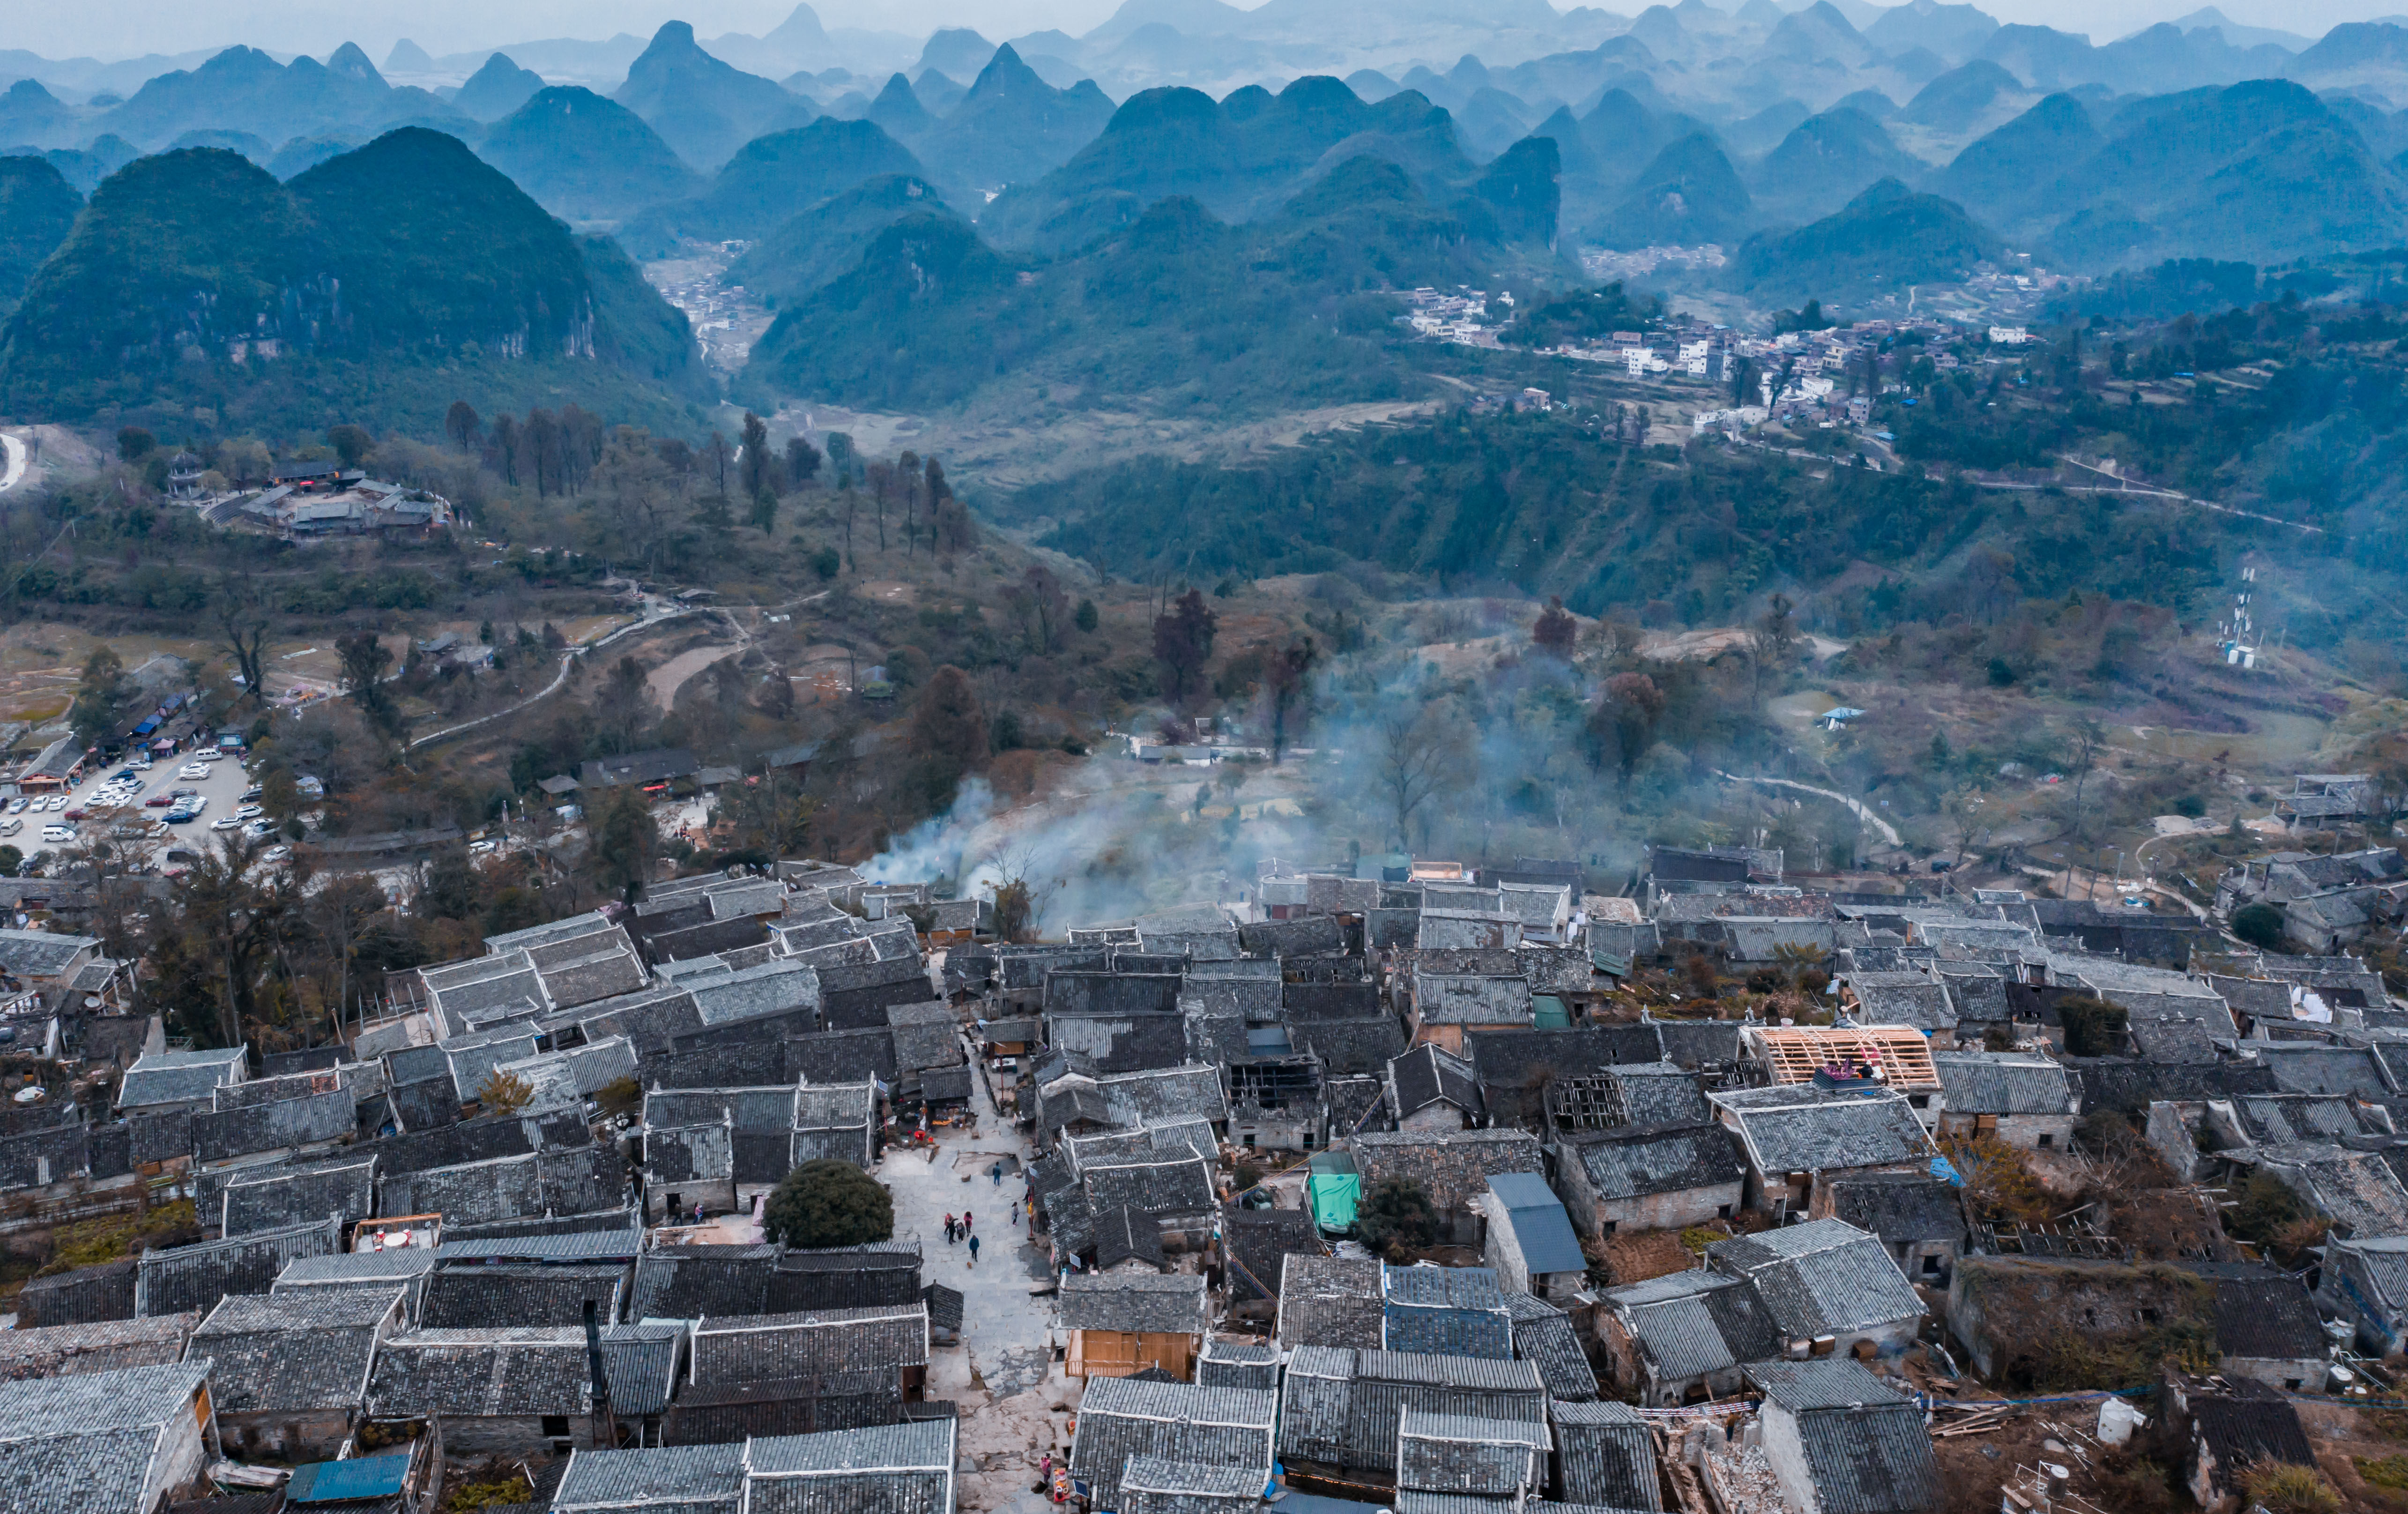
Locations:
2237 638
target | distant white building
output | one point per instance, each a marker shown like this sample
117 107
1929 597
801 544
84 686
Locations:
2009 336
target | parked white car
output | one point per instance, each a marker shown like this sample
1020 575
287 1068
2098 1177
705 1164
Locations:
194 769
58 835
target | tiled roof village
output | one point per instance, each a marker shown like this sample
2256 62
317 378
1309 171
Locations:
1794 1250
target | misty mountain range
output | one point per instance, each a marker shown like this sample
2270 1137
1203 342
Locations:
1833 151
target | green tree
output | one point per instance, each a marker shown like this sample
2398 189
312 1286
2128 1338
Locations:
1396 1212
1182 644
1086 619
1556 630
625 841
828 1203
134 444
948 731
1288 684
2260 925
625 703
460 423
802 462
757 471
352 443
99 696
365 659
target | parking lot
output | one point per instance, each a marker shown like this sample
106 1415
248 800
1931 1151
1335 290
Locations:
223 788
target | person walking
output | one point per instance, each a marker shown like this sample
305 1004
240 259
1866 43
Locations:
968 1223
995 1171
949 1230
974 1251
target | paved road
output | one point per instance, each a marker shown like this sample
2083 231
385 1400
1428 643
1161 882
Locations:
566 659
1889 832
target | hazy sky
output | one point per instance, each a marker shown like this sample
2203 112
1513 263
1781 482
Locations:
110 28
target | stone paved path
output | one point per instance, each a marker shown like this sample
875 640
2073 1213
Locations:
1012 1395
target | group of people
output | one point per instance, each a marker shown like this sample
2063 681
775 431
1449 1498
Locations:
959 1228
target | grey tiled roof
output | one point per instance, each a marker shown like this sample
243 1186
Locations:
299 1195
902 1468
812 1343
689 1282
1662 1093
777 987
102 1472
196 1276
618 1479
1344 1406
295 1352
1121 1419
1428 1075
485 1296
1161 1187
1605 1455
100 1346
1235 1364
1867 1450
1797 1128
1154 1474
1694 1322
1820 1383
640 1364
94 1402
1645 1162
1543 1337
1822 1277
1453 1169
1460 1454
1329 1302
468 1373
1154 1143
1349 1045
1899 1207
173 1077
1153 1304
2265 1313
1902 999
1978 1083
349 1269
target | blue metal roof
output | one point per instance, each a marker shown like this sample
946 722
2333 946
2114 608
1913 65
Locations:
1539 1221
362 1477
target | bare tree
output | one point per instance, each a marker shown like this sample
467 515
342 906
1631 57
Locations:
242 622
2088 737
1420 750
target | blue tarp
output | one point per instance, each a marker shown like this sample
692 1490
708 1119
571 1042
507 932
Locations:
362 1477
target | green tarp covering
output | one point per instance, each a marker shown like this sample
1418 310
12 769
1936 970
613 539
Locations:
1332 1191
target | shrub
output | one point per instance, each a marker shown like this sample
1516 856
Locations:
2260 925
477 1496
828 1203
1396 1212
2093 1027
2383 1471
2283 1487
504 1093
